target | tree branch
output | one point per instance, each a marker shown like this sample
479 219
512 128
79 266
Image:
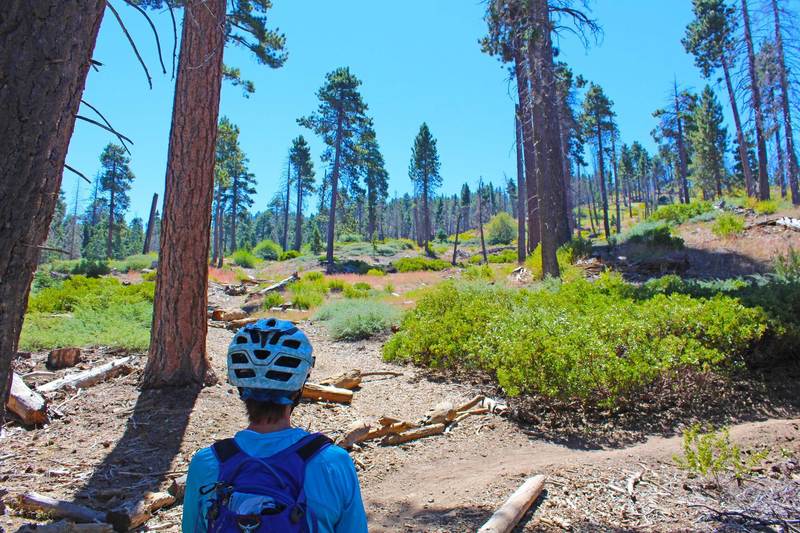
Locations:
115 132
93 108
81 174
133 45
155 33
174 37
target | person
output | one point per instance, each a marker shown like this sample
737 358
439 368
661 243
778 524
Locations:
272 476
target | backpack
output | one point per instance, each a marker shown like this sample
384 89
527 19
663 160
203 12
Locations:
260 494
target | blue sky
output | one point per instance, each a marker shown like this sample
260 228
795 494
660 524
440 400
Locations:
419 61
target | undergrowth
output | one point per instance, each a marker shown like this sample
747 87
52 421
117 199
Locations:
728 225
415 264
358 319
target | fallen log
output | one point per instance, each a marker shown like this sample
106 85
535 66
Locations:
391 429
352 378
511 512
134 513
65 526
442 412
275 286
89 377
33 502
413 434
470 404
178 487
227 315
63 358
314 391
356 432
465 414
25 403
788 222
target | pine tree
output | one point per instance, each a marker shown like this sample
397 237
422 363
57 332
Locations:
135 237
424 173
339 120
231 168
752 162
376 179
598 123
300 159
115 180
709 139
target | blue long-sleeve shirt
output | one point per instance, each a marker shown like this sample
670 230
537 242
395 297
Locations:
331 483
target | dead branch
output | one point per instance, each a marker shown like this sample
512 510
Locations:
25 403
155 33
99 114
34 502
103 126
134 513
511 512
89 377
133 45
413 434
174 36
314 391
64 526
632 482
74 171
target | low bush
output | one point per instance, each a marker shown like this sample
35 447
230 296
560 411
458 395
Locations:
362 286
501 229
377 272
709 453
350 237
272 299
680 213
767 207
415 264
564 255
43 280
314 276
580 340
337 285
357 290
474 273
150 276
91 268
505 256
309 292
244 258
64 266
135 262
268 250
708 216
289 254
728 225
652 234
358 319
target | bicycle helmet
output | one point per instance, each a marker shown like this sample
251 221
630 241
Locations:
269 360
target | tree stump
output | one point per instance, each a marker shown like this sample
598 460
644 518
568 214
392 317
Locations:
63 358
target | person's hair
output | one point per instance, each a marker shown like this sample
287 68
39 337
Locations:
264 412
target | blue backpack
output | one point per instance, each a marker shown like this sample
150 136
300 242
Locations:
260 494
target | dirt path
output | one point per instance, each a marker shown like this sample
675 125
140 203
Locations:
113 443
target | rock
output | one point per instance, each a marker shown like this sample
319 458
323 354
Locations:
235 290
63 358
228 315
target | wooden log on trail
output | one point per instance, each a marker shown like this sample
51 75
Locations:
33 502
178 487
390 429
788 222
89 377
63 358
465 414
314 391
470 404
356 432
275 286
65 526
352 378
413 434
227 315
442 412
511 512
25 403
134 513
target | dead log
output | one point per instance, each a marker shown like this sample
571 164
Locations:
788 222
236 290
470 404
442 413
275 286
356 432
511 512
388 420
25 403
89 377
65 526
63 358
391 429
33 502
227 315
352 378
314 391
178 487
134 513
465 414
413 434
238 324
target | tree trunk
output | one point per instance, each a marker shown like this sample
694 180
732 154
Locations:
791 156
215 229
480 224
781 166
592 206
601 167
334 191
520 189
234 212
151 222
426 218
285 238
531 196
684 183
616 183
110 240
298 217
221 231
761 143
549 166
748 175
455 244
178 342
45 49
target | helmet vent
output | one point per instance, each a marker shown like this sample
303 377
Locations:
290 362
241 340
261 354
292 343
271 322
239 358
279 376
275 338
243 373
255 336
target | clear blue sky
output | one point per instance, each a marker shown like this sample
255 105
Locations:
418 60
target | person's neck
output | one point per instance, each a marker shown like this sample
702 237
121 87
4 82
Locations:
271 427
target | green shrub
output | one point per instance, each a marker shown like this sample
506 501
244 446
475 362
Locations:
727 225
474 273
505 256
501 229
289 254
272 299
316 240
350 237
362 286
91 268
358 319
43 280
244 258
388 288
415 264
308 293
708 216
767 207
576 340
135 262
314 276
337 285
357 290
653 234
710 452
680 213
579 248
375 272
64 266
786 266
268 250
150 276
564 255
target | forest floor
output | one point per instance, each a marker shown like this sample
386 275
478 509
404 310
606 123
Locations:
112 442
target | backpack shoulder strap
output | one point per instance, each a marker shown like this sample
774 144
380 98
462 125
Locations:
225 449
312 444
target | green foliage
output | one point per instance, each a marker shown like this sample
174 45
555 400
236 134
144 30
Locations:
43 280
501 229
92 268
578 248
350 237
680 213
654 234
272 299
268 250
244 258
727 225
357 290
767 207
786 266
149 276
85 311
710 452
576 340
415 264
505 256
362 286
474 273
337 285
135 262
375 272
314 276
316 240
289 254
358 319
564 255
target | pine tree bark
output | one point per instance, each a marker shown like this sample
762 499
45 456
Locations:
298 217
737 121
529 154
616 183
761 143
603 188
178 340
45 52
781 165
521 249
426 217
110 243
334 191
791 155
151 221
285 238
684 183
